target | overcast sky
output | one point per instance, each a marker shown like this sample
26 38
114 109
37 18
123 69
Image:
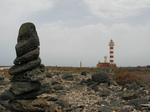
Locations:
71 31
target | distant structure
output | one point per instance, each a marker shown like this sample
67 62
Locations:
111 63
111 44
103 64
105 59
80 64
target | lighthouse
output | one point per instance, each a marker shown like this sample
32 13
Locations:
111 63
111 44
111 47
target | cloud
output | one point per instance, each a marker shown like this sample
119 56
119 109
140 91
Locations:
17 10
30 6
117 8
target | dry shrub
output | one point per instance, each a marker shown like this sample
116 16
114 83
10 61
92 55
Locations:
73 70
144 79
124 77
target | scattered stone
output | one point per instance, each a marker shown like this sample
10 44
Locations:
133 86
63 104
138 101
104 109
1 77
102 103
105 92
67 76
36 105
4 82
48 74
83 73
57 87
57 73
64 95
7 94
129 94
126 110
115 103
100 77
83 81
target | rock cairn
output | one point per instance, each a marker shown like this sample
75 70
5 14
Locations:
28 72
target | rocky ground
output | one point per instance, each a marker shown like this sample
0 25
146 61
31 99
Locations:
81 92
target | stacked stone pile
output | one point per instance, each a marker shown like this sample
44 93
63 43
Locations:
28 72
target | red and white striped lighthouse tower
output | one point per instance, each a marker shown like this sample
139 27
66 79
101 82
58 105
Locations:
111 63
111 44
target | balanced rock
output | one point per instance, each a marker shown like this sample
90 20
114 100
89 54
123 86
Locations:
28 72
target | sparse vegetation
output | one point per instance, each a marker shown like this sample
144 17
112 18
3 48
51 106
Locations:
144 79
122 75
126 77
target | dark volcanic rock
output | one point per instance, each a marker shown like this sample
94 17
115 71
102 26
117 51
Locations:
83 81
138 101
100 77
7 95
115 103
104 109
1 77
4 104
105 92
63 104
28 56
131 86
4 82
23 87
83 73
32 75
129 94
102 103
48 74
18 69
67 76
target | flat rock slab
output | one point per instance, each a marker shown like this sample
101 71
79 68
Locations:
17 69
24 87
